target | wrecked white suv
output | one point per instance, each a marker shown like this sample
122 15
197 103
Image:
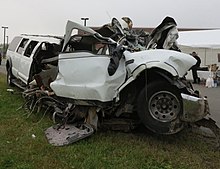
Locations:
100 83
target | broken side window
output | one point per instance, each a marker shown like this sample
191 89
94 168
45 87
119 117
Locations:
22 45
30 48
14 43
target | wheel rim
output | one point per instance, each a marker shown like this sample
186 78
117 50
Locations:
164 106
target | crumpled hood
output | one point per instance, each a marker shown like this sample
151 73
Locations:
176 63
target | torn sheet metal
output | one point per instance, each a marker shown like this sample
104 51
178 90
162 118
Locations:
64 135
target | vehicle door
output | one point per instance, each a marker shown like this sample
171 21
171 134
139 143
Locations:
26 60
83 70
16 53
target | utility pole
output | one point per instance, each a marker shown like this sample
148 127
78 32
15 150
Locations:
6 40
85 19
4 28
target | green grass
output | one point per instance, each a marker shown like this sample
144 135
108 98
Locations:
103 150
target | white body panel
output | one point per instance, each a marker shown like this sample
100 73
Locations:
24 69
83 75
25 64
176 63
15 59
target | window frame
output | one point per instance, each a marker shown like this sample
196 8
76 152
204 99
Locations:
22 45
30 48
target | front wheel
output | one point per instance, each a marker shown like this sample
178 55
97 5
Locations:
159 107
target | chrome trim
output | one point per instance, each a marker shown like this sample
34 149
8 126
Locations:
194 108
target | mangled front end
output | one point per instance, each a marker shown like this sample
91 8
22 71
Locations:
83 89
167 68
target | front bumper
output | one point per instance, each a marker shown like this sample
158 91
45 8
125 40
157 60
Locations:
194 108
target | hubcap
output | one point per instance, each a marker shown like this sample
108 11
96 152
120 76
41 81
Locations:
164 106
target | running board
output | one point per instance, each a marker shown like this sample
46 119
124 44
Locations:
18 84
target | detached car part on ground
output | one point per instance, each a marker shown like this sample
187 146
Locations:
99 84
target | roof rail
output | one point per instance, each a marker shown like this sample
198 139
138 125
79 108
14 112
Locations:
48 36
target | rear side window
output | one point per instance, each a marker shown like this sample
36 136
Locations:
30 48
14 43
22 45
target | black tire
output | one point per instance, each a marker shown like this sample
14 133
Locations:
9 77
161 110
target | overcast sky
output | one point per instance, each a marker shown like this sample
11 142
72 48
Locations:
50 16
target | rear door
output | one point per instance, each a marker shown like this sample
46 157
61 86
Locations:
26 60
15 52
